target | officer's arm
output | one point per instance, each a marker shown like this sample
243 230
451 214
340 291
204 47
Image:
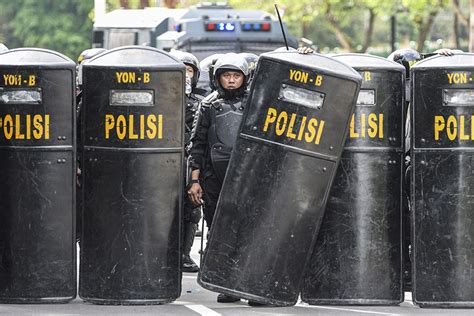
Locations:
199 138
305 50
197 151
195 190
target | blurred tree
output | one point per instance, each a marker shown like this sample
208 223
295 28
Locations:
61 25
355 25
172 4
127 4
462 11
342 15
471 28
423 14
144 4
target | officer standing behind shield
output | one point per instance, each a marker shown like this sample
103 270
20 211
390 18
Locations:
192 214
83 57
215 134
408 57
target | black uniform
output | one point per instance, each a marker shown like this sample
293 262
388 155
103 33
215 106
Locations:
192 214
212 143
85 55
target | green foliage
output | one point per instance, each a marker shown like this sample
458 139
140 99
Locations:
65 25
61 25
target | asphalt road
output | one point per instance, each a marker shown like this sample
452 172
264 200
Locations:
195 300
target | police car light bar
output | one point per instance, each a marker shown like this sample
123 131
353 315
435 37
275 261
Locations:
132 97
458 97
20 96
220 27
256 27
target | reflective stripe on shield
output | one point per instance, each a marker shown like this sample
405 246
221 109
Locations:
37 172
132 131
443 181
279 175
357 256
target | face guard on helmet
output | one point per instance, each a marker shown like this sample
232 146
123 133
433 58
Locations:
252 60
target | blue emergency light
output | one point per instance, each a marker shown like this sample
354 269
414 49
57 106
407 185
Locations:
220 27
256 27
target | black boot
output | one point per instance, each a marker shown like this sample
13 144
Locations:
224 298
187 264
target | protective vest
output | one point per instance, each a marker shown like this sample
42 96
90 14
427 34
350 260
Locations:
226 117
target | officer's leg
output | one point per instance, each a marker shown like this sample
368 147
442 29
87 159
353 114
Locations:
212 188
192 215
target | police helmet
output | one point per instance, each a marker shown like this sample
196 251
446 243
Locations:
189 60
85 55
252 60
89 53
3 47
207 63
231 62
407 57
207 66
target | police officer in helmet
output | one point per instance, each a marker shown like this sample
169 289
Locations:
192 213
408 57
83 57
215 134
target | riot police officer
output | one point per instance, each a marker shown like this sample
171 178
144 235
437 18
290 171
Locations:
408 57
215 133
192 213
83 57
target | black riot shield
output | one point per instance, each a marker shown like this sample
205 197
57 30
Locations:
443 181
132 129
278 180
357 257
37 172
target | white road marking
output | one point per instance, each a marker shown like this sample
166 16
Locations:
202 310
346 309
